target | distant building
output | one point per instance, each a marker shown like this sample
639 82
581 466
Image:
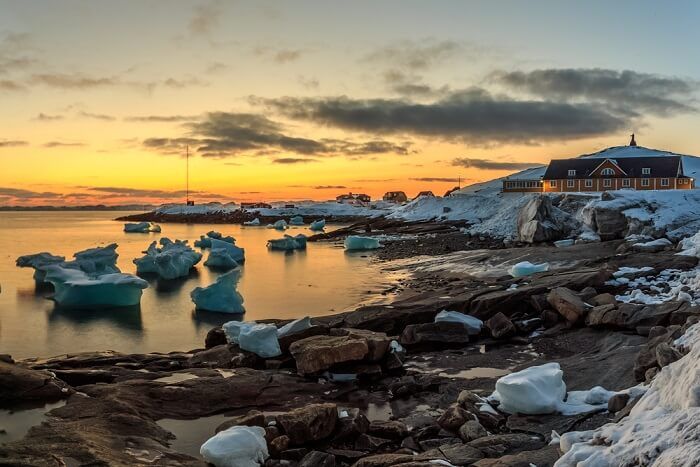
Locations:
450 191
428 194
256 205
395 197
359 199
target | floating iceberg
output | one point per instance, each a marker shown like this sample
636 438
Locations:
525 268
318 225
254 222
260 339
172 260
205 241
296 220
221 296
238 446
472 324
39 262
356 242
235 252
141 227
96 261
75 288
279 225
219 258
288 243
294 327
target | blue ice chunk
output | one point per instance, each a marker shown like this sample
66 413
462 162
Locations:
221 296
235 252
294 327
238 446
296 220
205 241
141 227
219 258
232 329
76 289
472 324
96 261
261 339
39 261
170 261
525 268
356 242
288 243
254 222
279 225
318 225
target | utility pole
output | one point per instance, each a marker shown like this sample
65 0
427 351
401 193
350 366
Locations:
187 174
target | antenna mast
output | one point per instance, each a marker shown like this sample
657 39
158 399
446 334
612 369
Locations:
187 172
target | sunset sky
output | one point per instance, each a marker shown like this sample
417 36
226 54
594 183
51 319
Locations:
309 99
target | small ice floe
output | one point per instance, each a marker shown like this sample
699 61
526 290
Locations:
77 289
238 446
318 225
525 268
296 220
254 222
472 324
260 339
541 390
206 241
564 243
141 227
288 243
279 225
395 347
220 258
170 261
357 242
221 296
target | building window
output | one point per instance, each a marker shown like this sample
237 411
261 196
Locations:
607 183
646 170
682 181
607 171
664 182
570 183
572 173
645 182
589 183
626 182
552 183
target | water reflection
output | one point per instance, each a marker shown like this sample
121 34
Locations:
16 422
209 319
125 318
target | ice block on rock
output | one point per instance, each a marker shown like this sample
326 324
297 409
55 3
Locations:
221 296
238 446
232 329
260 339
535 390
525 268
76 289
294 327
472 324
357 242
318 225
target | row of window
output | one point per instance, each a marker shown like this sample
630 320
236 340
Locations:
609 172
523 184
607 183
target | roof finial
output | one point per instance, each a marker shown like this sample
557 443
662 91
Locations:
633 142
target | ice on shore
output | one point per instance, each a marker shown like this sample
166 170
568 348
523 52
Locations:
254 222
294 327
525 268
279 225
141 227
77 289
472 324
39 261
222 296
205 241
170 261
564 243
238 446
296 220
288 243
356 242
318 225
260 339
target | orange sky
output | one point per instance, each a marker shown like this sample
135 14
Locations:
282 103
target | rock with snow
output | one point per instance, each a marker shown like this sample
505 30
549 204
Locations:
296 220
564 243
75 288
472 324
357 242
141 227
318 225
238 446
288 243
222 296
39 262
526 268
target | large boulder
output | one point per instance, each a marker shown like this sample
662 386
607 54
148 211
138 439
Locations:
568 304
609 222
307 424
318 353
537 221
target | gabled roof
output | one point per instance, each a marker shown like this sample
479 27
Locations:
661 166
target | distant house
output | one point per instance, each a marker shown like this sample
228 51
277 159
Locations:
395 197
428 194
257 205
359 199
450 191
625 168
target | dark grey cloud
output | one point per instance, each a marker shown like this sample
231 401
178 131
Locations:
8 143
627 91
436 179
42 117
292 160
330 187
61 144
489 164
472 115
161 118
224 134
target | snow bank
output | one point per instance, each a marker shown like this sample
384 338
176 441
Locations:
525 268
238 446
172 260
472 324
662 429
76 289
141 227
221 296
356 242
207 208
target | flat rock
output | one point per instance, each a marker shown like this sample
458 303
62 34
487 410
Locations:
545 457
318 353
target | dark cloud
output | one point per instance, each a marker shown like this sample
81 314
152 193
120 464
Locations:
42 117
60 144
160 118
223 134
627 91
436 179
488 164
205 18
414 55
330 187
471 115
5 143
292 160
96 116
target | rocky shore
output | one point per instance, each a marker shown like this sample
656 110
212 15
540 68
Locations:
344 394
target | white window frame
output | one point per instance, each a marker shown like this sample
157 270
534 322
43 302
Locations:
607 172
625 182
607 183
571 173
570 183
552 183
646 170
664 182
589 183
645 182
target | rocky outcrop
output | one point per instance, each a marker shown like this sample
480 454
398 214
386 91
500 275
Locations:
21 384
318 353
537 221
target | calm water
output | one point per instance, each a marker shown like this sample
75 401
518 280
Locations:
319 281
